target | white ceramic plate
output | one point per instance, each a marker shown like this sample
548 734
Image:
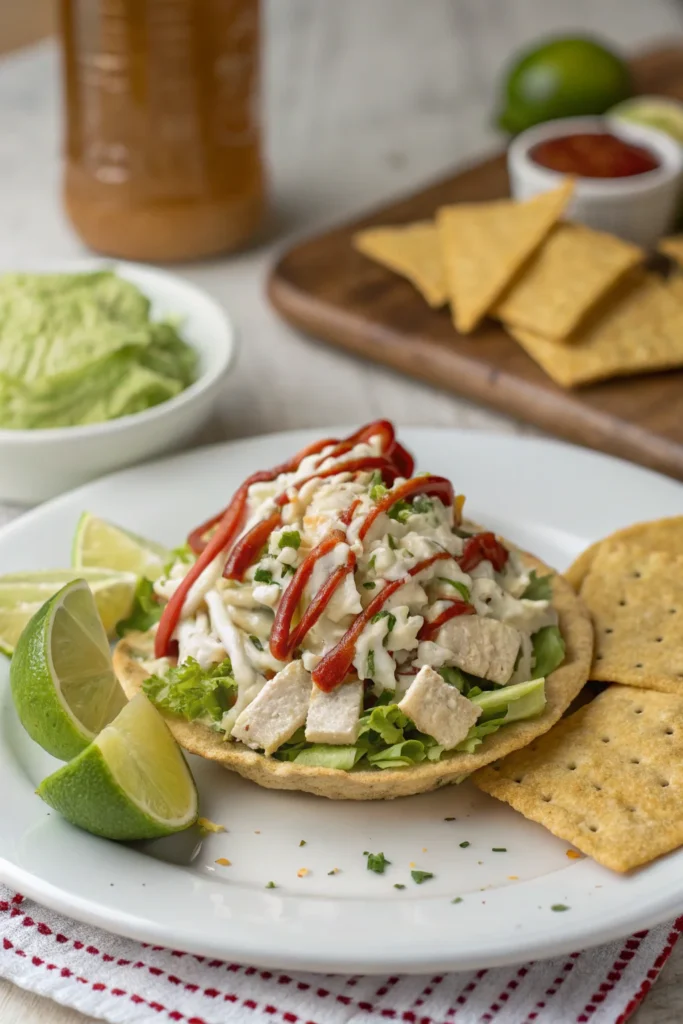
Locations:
549 497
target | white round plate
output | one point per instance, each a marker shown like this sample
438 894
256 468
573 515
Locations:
549 497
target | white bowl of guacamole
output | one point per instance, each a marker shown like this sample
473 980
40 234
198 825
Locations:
102 365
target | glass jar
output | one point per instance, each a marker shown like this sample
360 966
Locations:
163 156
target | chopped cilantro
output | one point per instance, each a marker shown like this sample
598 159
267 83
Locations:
499 849
391 619
422 504
286 569
464 845
263 576
290 539
539 588
370 670
458 899
421 876
371 563
460 587
256 642
369 586
376 862
398 885
400 511
271 885
302 842
392 543
559 906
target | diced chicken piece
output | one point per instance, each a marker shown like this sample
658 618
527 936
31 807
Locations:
438 709
277 711
483 647
333 717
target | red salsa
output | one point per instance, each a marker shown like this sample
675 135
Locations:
594 155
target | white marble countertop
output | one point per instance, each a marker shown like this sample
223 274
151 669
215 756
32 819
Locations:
364 99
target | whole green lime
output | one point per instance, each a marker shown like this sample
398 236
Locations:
564 77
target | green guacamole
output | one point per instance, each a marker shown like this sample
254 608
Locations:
81 348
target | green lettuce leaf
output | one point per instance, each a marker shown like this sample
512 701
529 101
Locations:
502 706
549 650
539 588
146 610
522 700
387 721
192 692
324 755
400 755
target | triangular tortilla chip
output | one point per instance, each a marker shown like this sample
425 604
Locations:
485 244
640 332
411 250
573 269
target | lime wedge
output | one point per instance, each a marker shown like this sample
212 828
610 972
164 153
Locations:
22 594
102 545
132 782
653 112
63 683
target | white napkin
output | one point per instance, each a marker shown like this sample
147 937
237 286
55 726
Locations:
128 982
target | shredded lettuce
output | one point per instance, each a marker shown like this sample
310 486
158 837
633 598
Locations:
146 610
400 755
385 723
549 650
502 706
504 700
192 692
324 755
539 588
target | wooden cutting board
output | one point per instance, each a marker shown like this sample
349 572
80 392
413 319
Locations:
326 289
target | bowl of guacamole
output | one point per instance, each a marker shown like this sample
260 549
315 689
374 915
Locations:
101 366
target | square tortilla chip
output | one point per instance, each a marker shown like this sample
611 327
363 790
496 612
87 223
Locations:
573 269
655 535
485 244
636 600
640 331
413 251
608 779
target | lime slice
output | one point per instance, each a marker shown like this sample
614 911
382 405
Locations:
132 782
22 594
653 112
102 545
564 77
63 683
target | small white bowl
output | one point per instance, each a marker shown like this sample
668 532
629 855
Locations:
640 208
37 464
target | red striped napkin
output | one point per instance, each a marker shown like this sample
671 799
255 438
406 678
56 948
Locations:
128 982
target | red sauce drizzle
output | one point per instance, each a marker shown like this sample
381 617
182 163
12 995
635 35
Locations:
430 629
480 548
334 667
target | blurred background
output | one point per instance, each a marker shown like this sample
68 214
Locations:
362 101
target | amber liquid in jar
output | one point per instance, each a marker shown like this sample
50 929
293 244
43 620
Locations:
163 158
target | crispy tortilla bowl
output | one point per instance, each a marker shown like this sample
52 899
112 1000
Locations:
562 686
